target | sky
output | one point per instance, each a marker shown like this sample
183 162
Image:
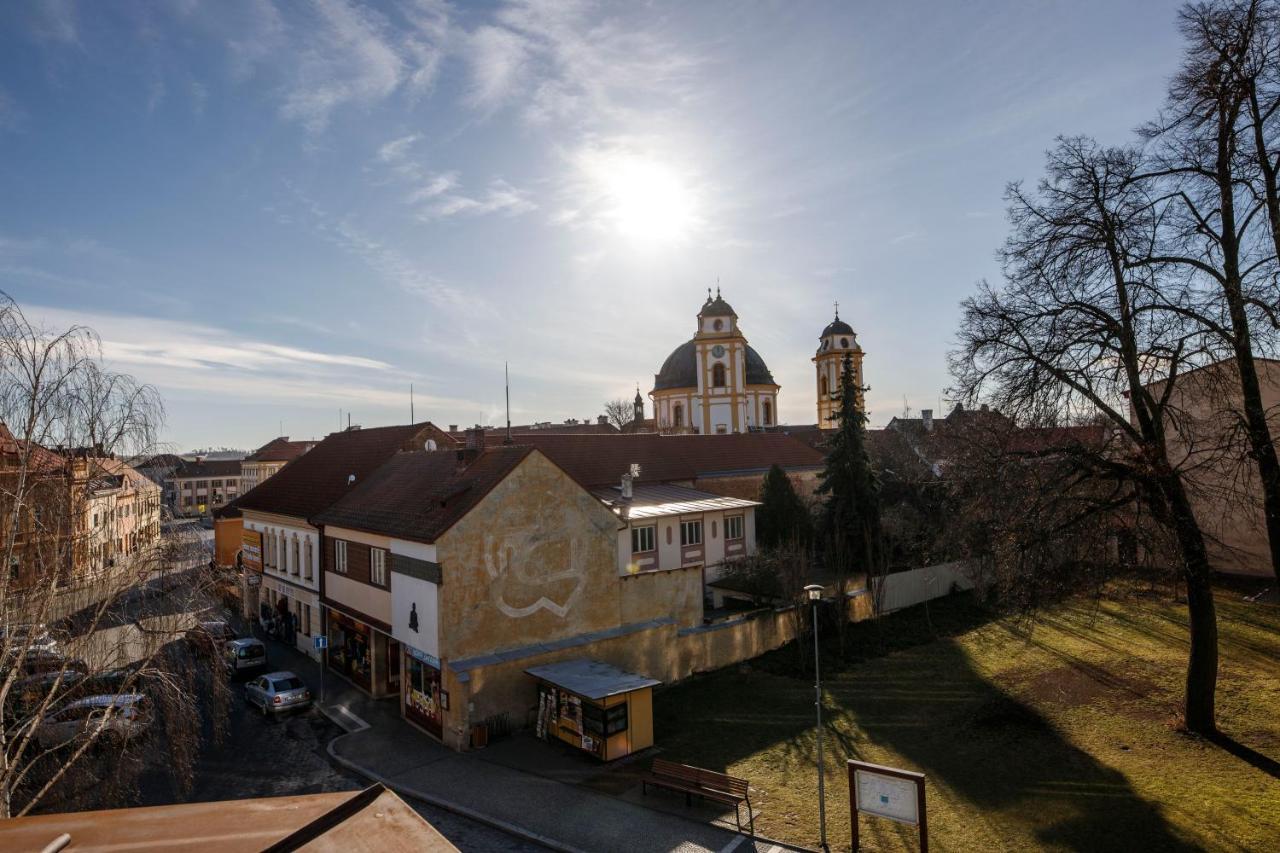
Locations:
273 211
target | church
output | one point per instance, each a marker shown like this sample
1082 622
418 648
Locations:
717 384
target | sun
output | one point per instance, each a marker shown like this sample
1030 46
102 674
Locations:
643 199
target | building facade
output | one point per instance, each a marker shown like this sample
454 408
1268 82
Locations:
269 459
199 487
715 383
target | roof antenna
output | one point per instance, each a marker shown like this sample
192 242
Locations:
506 377
411 420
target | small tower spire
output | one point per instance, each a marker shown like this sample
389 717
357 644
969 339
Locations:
837 309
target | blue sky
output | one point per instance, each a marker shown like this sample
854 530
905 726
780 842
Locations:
273 210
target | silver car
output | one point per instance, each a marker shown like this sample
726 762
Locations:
276 692
119 717
244 653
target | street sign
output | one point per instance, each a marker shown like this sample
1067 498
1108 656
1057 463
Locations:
887 792
321 642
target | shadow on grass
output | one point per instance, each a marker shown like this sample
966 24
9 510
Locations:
927 709
1252 757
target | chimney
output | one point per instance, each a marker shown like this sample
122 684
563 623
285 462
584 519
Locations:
453 427
472 447
602 419
926 415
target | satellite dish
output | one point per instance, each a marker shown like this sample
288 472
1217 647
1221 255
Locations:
351 478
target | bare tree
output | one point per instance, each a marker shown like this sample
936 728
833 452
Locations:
1219 207
94 600
1080 332
620 412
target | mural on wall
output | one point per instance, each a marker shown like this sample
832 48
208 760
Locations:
517 562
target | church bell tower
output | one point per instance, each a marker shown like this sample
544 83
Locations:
836 341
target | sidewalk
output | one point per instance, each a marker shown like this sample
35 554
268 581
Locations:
382 747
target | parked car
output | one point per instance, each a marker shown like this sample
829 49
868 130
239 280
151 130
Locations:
120 716
41 661
28 693
33 638
276 692
244 654
210 637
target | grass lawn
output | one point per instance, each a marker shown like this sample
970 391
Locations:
1061 737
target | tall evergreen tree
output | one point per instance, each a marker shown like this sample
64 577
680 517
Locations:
851 511
782 517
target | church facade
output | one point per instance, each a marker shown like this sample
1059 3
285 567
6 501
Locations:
714 383
717 384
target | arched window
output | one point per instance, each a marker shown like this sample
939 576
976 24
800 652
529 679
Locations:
717 375
768 413
677 416
826 389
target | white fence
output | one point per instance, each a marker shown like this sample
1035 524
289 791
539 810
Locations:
903 589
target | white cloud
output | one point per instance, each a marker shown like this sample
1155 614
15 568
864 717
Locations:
498 58
499 197
338 54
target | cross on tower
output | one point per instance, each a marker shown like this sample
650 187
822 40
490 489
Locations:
837 309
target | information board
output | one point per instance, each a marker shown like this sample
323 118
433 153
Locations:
887 796
890 793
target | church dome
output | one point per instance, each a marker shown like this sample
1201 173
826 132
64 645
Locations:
680 370
837 327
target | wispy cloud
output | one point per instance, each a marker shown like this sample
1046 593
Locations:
12 115
340 54
439 195
55 21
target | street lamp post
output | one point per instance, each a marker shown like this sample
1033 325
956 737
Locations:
815 595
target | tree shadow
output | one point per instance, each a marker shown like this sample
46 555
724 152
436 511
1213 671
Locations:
1250 756
929 708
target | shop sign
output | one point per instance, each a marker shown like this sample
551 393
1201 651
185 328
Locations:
253 579
251 547
429 660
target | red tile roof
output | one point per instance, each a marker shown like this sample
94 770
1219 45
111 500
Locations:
597 460
207 468
419 495
318 479
280 450
590 428
40 458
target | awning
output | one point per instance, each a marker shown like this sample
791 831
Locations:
591 679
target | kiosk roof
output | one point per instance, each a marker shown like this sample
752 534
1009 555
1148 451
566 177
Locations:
591 679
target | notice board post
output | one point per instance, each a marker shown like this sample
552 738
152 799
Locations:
889 793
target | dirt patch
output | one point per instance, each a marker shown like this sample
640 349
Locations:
1078 685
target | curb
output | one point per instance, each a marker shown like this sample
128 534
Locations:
431 799
478 817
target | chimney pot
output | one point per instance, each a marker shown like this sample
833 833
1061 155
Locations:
926 415
453 427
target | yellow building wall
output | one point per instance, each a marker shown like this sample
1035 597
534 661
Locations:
535 561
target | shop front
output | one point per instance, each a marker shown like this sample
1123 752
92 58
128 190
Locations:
595 707
351 653
363 655
424 700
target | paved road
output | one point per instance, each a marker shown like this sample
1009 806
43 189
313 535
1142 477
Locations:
278 757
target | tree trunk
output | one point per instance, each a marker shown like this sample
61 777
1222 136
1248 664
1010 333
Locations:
1263 451
1202 663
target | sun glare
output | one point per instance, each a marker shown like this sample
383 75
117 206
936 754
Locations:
645 200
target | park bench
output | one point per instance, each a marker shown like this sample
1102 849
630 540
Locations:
707 784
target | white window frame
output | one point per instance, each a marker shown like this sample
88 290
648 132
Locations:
686 528
378 566
638 534
731 521
307 556
340 556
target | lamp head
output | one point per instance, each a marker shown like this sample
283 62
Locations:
815 591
